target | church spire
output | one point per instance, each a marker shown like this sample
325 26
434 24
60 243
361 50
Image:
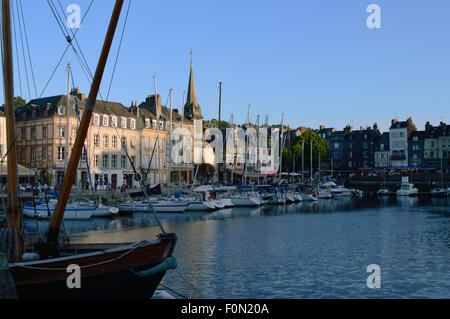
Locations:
192 108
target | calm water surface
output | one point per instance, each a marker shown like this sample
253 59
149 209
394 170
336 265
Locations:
307 250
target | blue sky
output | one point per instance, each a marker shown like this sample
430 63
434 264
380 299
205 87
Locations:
314 60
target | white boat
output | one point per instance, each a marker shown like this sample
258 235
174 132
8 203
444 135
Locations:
297 197
245 201
100 210
309 197
72 212
324 194
407 189
218 203
227 202
198 205
162 206
289 198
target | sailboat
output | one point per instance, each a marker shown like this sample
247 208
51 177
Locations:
123 270
440 192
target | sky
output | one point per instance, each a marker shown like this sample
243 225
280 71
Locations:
316 61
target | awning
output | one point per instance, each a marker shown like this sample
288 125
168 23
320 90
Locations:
23 171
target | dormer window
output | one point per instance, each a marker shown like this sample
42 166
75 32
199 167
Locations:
96 119
114 121
147 123
154 124
105 120
124 122
61 110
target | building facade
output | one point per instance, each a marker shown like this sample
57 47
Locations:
399 133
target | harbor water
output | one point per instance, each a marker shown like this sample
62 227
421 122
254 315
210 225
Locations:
307 250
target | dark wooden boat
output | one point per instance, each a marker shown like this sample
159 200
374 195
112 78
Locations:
116 272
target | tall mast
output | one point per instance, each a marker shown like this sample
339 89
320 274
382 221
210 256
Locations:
246 147
219 172
182 120
66 155
257 146
303 162
157 131
311 159
233 163
169 159
281 147
13 211
58 214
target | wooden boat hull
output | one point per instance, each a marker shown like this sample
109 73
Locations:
112 274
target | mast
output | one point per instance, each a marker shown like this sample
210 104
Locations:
303 162
13 211
246 147
182 120
257 148
281 147
169 160
157 131
218 126
66 153
311 159
233 163
58 214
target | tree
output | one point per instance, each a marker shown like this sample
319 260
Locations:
18 101
293 156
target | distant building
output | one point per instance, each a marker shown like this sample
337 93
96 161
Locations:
436 146
398 136
382 151
416 148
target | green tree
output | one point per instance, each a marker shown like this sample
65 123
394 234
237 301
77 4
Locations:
18 101
293 156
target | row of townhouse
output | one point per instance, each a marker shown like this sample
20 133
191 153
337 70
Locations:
402 147
120 140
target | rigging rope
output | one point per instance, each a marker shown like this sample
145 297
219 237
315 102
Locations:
17 49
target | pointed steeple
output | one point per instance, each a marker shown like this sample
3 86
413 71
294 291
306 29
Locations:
192 110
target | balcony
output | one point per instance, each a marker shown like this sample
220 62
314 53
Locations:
398 157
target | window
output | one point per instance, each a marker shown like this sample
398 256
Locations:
147 123
105 120
133 124
114 141
351 154
61 109
61 131
83 155
350 164
33 132
132 143
123 161
133 160
365 144
96 119
113 161
365 154
336 145
415 138
74 132
61 153
124 142
381 147
44 131
114 121
105 161
161 125
96 141
154 124
96 160
124 122
105 141
401 134
44 153
33 154
365 163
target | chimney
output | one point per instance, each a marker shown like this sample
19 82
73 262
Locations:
428 126
394 121
375 126
322 127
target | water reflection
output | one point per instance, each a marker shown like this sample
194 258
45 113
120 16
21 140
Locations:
305 250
